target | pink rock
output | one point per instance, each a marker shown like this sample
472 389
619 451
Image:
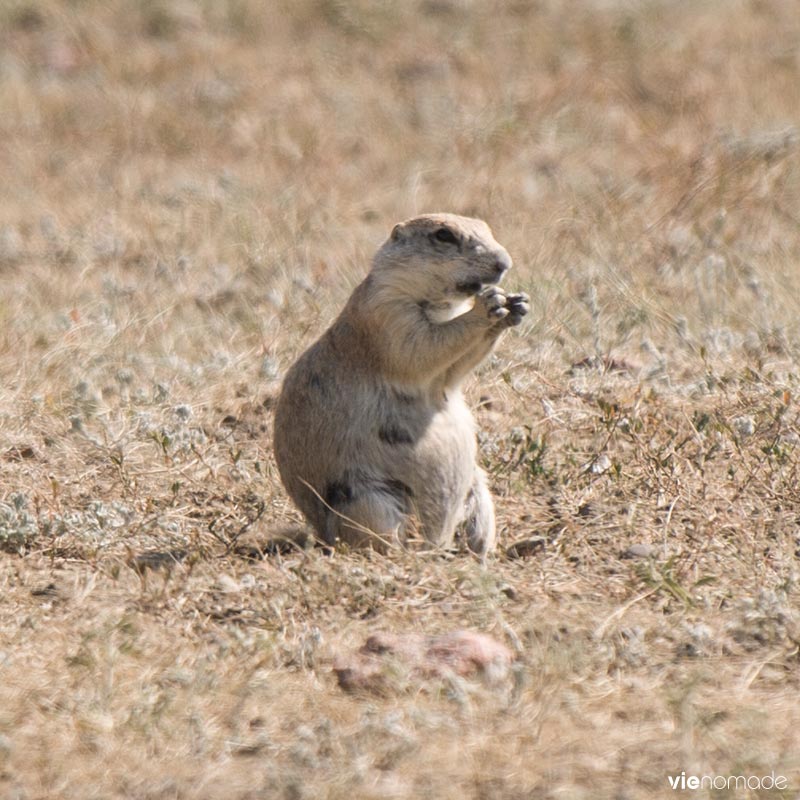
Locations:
467 654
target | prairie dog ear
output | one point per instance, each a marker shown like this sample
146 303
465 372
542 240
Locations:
397 232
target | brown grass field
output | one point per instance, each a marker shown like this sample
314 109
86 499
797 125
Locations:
189 191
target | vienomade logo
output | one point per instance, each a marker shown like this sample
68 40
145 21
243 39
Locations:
694 782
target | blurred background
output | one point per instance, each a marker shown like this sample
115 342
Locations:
195 165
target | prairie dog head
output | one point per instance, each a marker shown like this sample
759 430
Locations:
440 261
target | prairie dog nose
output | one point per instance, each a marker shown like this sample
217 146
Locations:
503 262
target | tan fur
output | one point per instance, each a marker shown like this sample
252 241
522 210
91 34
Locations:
371 425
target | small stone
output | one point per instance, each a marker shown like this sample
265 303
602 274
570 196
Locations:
601 464
525 548
641 550
227 584
509 591
744 426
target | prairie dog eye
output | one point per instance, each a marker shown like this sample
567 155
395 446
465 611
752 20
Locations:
445 235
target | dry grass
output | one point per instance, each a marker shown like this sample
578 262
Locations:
188 192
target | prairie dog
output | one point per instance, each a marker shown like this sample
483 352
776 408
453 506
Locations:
371 425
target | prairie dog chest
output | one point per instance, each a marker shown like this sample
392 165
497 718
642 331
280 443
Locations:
442 462
426 432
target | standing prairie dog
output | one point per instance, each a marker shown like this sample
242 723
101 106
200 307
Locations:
371 426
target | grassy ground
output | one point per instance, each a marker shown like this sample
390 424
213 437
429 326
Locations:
189 191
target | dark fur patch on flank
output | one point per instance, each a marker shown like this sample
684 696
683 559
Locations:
394 435
337 494
402 397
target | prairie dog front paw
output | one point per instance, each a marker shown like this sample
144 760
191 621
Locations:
517 306
490 304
